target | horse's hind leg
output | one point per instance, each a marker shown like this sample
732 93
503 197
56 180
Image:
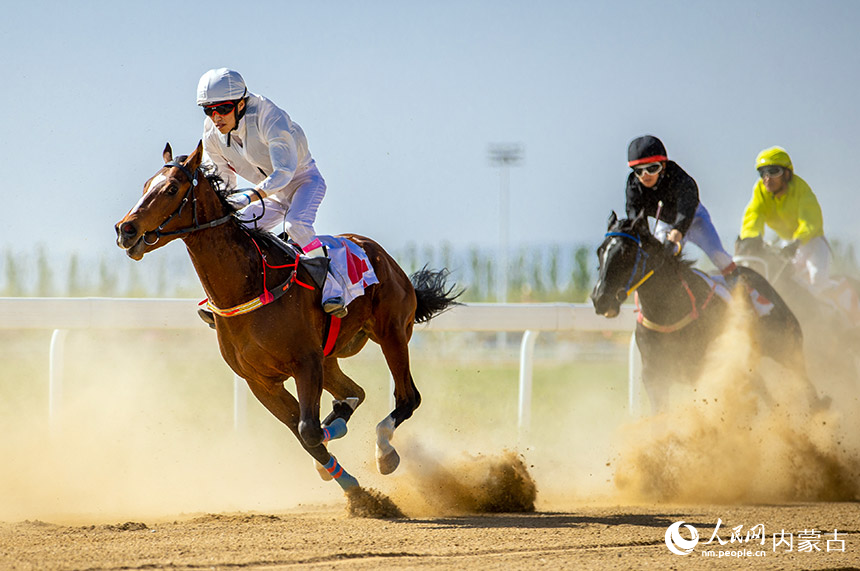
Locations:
406 397
347 394
285 408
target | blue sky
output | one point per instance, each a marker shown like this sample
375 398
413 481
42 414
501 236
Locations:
400 101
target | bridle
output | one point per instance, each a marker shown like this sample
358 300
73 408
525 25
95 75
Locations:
192 177
638 265
639 269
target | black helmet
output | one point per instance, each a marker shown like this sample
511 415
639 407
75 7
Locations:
645 149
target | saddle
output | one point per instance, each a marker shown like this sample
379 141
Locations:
316 267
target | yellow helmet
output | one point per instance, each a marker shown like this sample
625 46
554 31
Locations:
775 156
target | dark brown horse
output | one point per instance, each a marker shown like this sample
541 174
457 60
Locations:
284 334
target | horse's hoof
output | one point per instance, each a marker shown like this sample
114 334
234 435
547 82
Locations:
388 463
353 402
341 409
322 472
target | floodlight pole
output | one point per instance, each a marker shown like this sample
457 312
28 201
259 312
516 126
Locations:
504 156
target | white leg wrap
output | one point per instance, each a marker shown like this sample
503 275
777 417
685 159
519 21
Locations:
384 434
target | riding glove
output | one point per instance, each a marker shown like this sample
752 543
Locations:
241 199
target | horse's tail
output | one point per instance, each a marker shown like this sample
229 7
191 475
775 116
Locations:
433 294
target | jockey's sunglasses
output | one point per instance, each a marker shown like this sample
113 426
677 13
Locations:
219 108
770 171
650 168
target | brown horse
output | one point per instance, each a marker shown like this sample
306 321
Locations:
284 334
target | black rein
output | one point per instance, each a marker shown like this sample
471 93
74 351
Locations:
192 177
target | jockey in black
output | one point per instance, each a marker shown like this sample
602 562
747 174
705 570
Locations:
654 180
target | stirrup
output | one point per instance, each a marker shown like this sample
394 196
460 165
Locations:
207 316
335 307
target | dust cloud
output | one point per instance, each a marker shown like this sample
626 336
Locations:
746 433
437 483
143 430
370 503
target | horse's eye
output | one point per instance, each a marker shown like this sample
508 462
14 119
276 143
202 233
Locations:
172 189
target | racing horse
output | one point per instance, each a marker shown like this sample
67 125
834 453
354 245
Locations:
281 331
680 311
836 304
830 318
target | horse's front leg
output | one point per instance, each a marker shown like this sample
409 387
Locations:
656 381
309 386
285 408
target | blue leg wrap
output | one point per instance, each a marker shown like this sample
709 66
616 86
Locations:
340 475
337 429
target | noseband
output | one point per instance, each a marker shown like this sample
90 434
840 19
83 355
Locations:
639 265
192 177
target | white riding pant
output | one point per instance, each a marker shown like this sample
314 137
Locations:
294 209
812 262
703 234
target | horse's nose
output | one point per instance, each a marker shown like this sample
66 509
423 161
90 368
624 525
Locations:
125 230
597 300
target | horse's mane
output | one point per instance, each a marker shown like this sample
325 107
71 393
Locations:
655 247
269 241
210 173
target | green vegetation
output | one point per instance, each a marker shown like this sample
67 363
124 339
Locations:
555 273
563 273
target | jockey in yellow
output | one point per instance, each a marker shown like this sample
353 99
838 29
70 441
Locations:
783 201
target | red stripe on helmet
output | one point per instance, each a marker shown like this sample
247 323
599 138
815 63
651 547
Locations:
654 159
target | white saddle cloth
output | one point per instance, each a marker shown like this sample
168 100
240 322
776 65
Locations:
351 268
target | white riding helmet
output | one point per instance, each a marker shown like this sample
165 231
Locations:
219 85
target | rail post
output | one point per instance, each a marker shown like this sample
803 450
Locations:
524 411
55 374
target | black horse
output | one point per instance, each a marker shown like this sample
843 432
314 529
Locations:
779 269
680 311
828 326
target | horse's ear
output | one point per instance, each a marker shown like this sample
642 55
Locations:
613 218
640 223
167 153
197 156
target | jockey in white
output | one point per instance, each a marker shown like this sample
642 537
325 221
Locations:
247 135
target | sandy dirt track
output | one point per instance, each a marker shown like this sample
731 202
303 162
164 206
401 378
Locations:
325 537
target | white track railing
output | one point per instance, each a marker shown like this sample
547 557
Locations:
64 314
